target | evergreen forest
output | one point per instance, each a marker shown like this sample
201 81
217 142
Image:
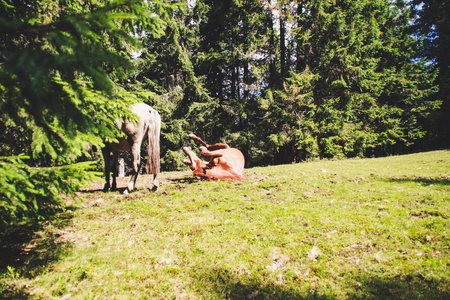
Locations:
283 81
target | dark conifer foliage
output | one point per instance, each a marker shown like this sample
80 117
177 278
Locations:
432 26
303 79
61 68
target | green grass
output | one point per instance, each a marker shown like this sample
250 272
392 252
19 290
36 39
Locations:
350 229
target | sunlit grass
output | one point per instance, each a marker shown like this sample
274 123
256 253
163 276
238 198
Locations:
363 228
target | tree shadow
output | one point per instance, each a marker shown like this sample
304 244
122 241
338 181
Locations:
406 286
443 180
27 250
92 191
227 285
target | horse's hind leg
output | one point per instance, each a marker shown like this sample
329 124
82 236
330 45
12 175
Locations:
205 152
155 182
136 157
213 147
198 140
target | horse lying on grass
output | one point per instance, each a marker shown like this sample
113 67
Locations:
148 126
222 162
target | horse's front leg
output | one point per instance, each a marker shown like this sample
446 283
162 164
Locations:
192 161
136 157
107 158
115 170
196 164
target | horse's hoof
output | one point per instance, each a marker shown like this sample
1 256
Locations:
155 188
126 192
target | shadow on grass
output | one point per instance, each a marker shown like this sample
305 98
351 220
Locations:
25 253
183 180
226 285
444 180
404 287
92 191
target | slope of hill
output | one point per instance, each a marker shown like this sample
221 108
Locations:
362 228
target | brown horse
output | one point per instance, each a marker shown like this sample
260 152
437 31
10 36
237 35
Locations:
222 162
148 126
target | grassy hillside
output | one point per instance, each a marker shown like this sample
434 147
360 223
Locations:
363 228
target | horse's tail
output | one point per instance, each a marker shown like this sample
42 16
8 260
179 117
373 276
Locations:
154 131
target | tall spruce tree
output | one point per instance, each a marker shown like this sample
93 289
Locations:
233 56
61 68
166 68
432 26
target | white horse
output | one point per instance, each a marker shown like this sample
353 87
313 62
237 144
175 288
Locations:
148 125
